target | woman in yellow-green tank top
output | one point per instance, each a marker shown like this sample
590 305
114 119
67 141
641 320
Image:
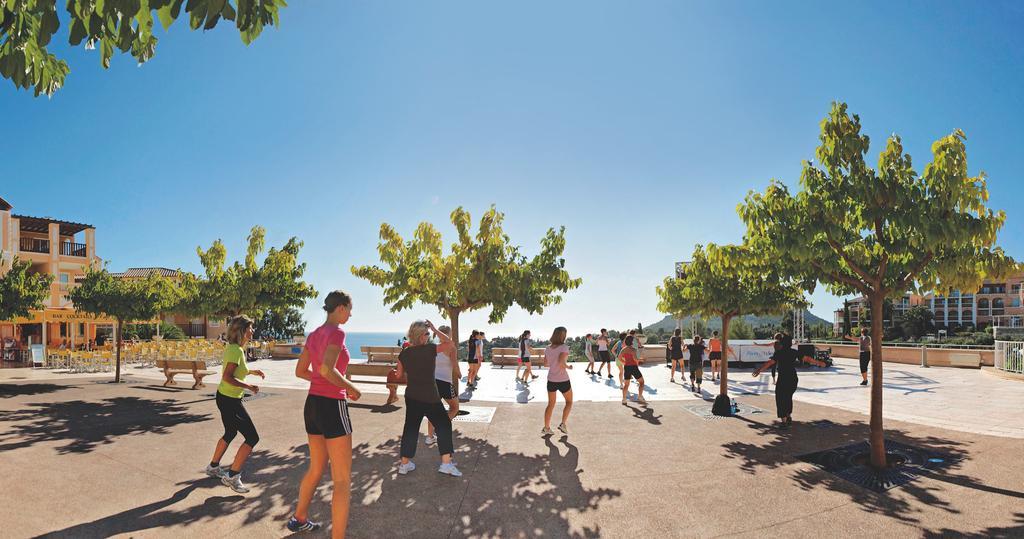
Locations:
229 401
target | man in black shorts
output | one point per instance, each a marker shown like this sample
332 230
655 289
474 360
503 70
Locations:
696 363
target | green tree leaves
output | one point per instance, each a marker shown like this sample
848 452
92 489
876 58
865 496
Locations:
125 300
879 232
249 287
480 270
27 27
21 290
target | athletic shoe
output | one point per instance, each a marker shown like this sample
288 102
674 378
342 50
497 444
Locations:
449 469
406 468
535 376
864 383
295 525
430 440
671 380
216 471
235 483
623 400
609 377
563 428
546 431
641 399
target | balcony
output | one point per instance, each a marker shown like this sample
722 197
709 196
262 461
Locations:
33 245
72 249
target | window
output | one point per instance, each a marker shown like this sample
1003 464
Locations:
1015 302
65 278
966 315
997 306
983 304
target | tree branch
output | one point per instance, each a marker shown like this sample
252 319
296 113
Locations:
846 258
905 281
842 278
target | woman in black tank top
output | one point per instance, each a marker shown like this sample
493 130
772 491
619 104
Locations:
675 345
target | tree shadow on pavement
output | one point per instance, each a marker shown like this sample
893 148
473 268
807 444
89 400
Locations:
501 494
274 480
782 445
83 425
996 532
19 390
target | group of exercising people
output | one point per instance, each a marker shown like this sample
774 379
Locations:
429 365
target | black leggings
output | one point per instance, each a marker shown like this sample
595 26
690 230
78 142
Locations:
415 411
784 396
236 420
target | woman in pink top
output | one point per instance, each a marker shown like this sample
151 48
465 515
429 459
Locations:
323 362
557 357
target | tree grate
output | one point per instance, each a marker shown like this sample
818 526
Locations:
703 410
906 463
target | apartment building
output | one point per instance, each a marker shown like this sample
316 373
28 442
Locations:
998 302
63 249
208 327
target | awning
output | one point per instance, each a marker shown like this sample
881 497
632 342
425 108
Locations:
69 315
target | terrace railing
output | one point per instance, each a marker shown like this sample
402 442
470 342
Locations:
1009 356
34 245
72 249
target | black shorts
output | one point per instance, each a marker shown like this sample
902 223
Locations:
563 387
606 357
446 390
865 360
714 356
525 360
326 417
631 371
473 361
676 356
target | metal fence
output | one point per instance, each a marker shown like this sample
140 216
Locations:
1009 356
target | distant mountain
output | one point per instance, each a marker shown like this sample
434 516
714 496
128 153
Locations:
669 323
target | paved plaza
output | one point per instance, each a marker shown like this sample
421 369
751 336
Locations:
85 458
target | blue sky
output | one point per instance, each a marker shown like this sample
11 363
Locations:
637 125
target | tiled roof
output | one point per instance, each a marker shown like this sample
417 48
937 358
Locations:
4 205
146 272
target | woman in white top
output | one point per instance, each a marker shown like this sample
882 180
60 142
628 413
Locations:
557 356
603 353
444 371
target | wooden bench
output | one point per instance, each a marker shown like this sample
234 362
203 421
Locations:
183 366
510 356
377 370
381 354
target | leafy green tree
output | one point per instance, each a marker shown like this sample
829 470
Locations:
741 330
279 325
248 287
27 27
124 300
21 290
727 282
918 321
168 331
847 323
479 271
879 232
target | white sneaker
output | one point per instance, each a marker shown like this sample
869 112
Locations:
430 440
563 428
623 400
406 468
216 471
449 469
546 431
641 399
235 483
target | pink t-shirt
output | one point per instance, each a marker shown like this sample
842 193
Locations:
316 345
556 371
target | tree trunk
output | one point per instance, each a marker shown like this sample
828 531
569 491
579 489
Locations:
877 438
453 320
722 405
117 358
